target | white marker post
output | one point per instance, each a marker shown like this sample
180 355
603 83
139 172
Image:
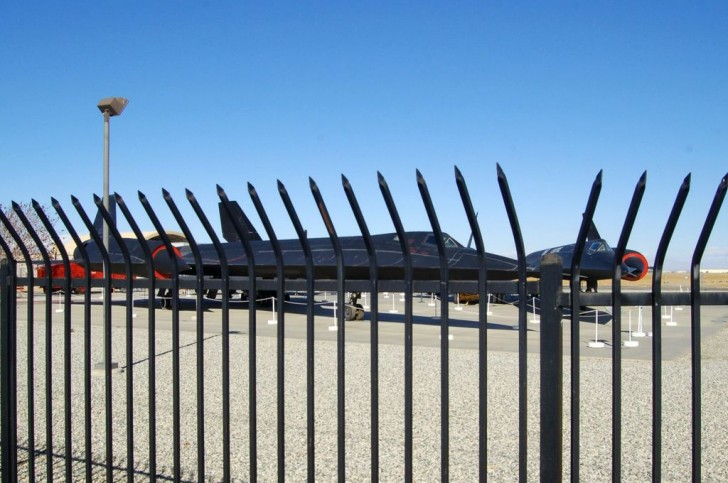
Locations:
335 327
449 336
679 307
394 307
630 342
640 330
672 322
596 343
274 320
534 319
60 304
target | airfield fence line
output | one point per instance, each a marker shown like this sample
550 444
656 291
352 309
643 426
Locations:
22 439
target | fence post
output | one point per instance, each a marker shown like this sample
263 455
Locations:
551 369
9 374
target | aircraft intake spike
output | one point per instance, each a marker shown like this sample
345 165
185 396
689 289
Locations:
634 266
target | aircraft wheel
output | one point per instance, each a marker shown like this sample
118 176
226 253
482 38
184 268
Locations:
359 312
349 312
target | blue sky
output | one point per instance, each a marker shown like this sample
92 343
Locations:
235 92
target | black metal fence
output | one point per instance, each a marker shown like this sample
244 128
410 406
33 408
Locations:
76 455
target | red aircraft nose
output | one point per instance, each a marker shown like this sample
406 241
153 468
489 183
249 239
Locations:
634 266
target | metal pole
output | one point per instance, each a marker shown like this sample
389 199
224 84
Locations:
107 115
106 294
9 374
551 369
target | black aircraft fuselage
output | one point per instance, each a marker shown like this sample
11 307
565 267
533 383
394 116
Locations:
596 262
462 261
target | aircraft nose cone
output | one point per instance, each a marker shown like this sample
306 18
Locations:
634 266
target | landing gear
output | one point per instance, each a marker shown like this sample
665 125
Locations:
591 285
354 310
349 312
165 298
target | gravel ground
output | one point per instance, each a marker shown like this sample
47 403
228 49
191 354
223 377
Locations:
502 411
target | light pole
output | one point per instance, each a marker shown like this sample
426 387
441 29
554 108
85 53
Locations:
109 106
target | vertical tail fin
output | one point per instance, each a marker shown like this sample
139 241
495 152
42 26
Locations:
593 233
470 240
228 229
99 221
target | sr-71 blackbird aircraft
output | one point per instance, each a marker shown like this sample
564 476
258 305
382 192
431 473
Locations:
462 261
596 262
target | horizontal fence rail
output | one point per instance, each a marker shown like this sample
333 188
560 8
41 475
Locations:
59 417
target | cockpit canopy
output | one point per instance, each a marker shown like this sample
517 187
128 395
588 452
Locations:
429 239
596 246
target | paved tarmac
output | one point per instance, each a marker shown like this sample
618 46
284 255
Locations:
502 323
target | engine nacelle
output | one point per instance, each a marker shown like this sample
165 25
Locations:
164 265
634 266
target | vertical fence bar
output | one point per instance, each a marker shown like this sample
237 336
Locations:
374 334
617 327
86 337
151 334
108 419
68 440
657 328
128 278
199 329
575 288
444 331
551 369
408 328
243 232
176 410
340 333
280 330
110 223
8 351
310 363
482 327
49 342
225 278
695 302
522 328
